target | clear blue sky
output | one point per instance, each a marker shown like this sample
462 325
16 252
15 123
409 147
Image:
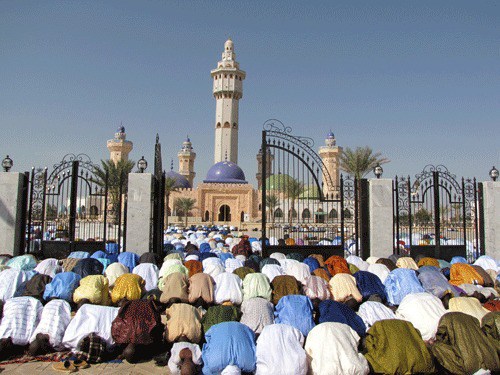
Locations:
418 81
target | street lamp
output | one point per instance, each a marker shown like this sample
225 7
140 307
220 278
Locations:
378 170
142 164
493 173
7 164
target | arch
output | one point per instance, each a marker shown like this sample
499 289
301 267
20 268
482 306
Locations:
227 125
234 125
218 125
333 214
242 216
319 216
347 213
306 214
292 213
207 216
278 213
225 213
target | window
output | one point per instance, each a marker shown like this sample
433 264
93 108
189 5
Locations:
278 213
306 214
218 125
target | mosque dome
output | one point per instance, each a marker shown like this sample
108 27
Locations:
181 182
225 172
310 192
278 182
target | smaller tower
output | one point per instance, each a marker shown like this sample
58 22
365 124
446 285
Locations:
269 163
186 161
330 154
119 147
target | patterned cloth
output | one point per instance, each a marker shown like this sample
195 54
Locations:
95 288
463 273
69 263
20 318
92 349
218 314
337 264
129 286
257 313
54 320
316 287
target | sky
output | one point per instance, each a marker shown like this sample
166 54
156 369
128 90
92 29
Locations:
418 81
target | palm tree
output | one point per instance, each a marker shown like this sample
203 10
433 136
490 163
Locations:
272 201
184 205
293 190
117 176
361 161
171 186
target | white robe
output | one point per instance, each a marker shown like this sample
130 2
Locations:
332 348
228 287
371 312
279 351
174 362
272 270
90 318
149 272
20 318
424 311
55 318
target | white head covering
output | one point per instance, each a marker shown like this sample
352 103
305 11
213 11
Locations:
272 270
192 257
49 267
149 272
113 271
277 256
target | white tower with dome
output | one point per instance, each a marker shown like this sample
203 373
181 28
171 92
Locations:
228 90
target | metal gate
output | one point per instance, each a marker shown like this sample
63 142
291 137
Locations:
157 203
73 209
302 210
438 216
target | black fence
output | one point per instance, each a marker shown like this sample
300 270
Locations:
74 208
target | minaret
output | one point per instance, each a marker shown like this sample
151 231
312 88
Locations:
269 163
330 154
228 90
186 160
119 147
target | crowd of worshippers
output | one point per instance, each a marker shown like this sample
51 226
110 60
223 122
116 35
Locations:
213 305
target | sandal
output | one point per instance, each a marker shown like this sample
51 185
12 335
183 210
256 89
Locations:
65 366
80 364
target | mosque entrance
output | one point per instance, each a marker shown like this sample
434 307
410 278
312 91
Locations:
436 215
224 213
74 208
298 195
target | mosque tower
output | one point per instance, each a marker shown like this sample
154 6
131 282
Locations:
119 147
228 90
269 163
186 161
330 154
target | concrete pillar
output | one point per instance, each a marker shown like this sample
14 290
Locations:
491 204
381 217
11 213
139 212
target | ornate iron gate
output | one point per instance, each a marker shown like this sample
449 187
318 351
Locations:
73 209
301 206
435 215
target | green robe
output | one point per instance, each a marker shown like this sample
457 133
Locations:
461 347
396 347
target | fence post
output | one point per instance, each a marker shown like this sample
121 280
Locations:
491 213
364 223
380 209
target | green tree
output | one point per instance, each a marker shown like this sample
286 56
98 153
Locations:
183 205
117 175
272 201
293 190
171 186
423 217
361 161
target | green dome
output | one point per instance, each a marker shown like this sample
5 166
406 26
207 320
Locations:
310 192
278 182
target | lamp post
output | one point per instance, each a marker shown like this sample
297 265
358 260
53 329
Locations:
493 173
378 170
7 164
142 164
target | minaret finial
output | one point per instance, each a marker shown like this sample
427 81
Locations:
157 138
